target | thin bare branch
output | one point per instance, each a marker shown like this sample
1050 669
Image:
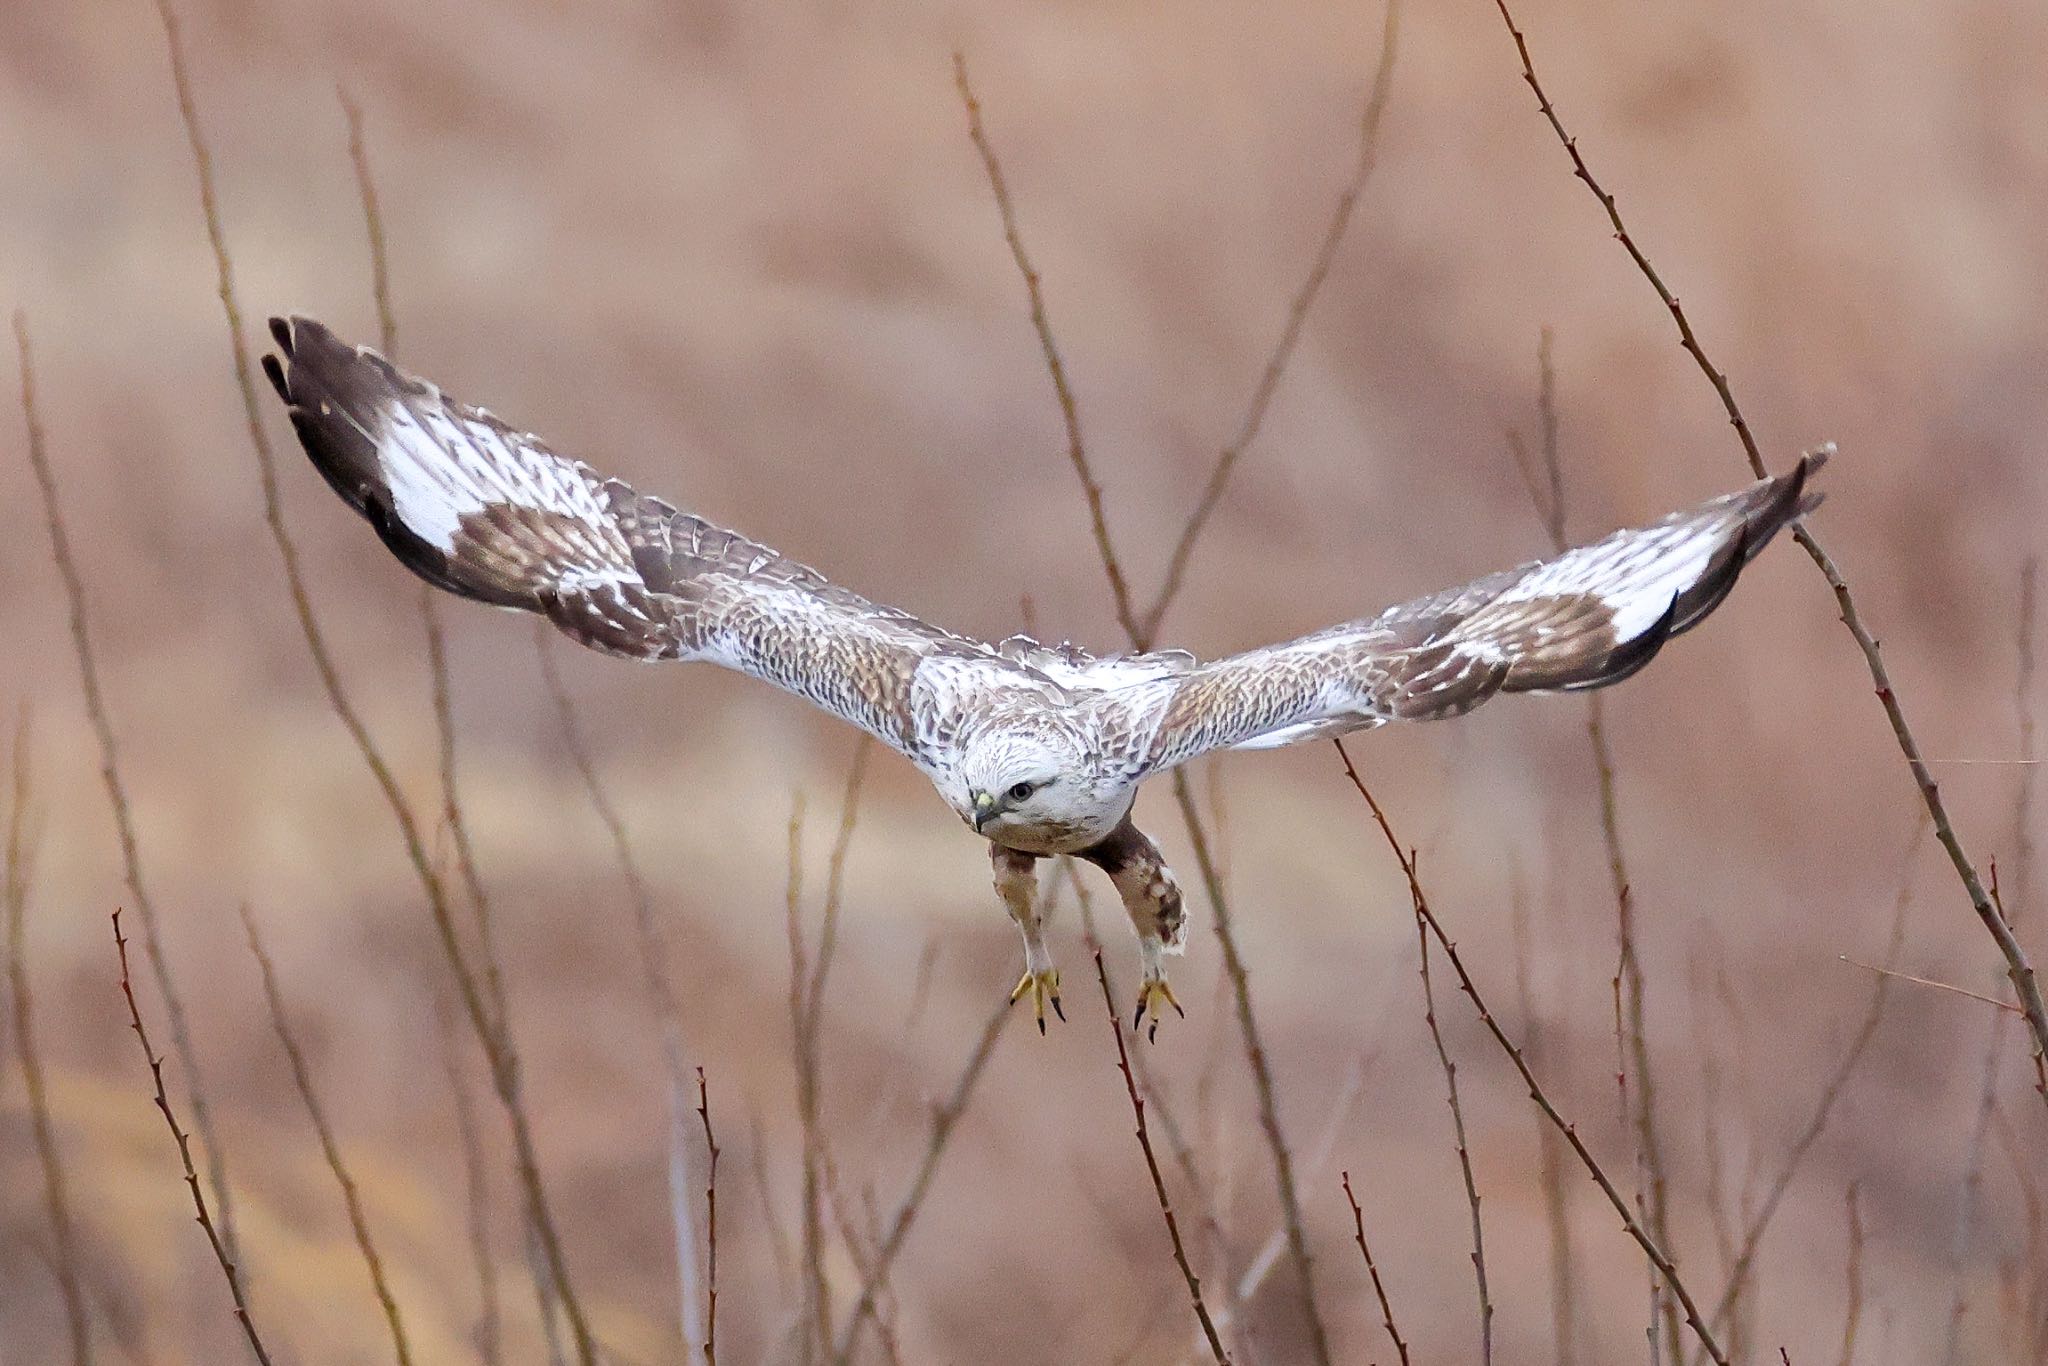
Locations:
1261 1070
1290 331
1180 1255
373 220
1372 1269
2024 981
1464 1151
1544 478
178 1135
490 1328
662 1001
117 794
1290 1203
945 1118
1824 1105
309 1096
1853 1274
1658 1258
496 1042
14 894
1077 453
1949 987
1550 1157
1967 1198
710 1226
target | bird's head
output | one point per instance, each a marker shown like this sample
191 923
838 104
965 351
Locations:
1035 788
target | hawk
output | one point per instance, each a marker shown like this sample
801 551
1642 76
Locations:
1039 749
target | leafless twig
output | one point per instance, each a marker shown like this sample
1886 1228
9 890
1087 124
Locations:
1180 1255
710 1227
490 1329
14 891
1372 1270
1290 331
944 1120
496 1042
662 1000
117 793
1658 1258
163 1105
1550 1157
1994 1045
1077 453
2025 984
1262 1077
1824 1105
1853 1275
1544 476
351 1196
1443 1056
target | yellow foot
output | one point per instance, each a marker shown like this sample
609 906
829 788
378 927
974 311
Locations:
1043 987
1151 994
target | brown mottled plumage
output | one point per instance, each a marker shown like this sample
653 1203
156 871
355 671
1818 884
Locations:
1040 748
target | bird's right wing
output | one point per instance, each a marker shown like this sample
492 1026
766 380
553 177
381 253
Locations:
474 507
1584 619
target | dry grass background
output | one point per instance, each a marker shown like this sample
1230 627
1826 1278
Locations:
745 256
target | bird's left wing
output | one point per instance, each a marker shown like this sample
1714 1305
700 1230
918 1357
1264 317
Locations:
1585 619
482 510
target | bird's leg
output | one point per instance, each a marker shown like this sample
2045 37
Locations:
1017 885
1152 899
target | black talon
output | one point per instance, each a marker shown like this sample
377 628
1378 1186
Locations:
1041 1026
1055 1010
1138 1015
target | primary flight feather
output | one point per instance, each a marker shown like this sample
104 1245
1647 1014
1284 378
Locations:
1040 748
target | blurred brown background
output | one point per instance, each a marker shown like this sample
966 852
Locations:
744 256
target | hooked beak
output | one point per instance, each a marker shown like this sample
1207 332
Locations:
984 807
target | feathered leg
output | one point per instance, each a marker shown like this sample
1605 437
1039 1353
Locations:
1017 885
1152 899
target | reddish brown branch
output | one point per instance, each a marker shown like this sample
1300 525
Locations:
351 1196
2021 972
496 1043
1180 1254
1379 1289
184 1142
1658 1258
710 1226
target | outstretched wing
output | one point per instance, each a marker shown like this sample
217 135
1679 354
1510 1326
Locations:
474 507
1589 617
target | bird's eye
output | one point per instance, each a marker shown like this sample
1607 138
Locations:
1020 791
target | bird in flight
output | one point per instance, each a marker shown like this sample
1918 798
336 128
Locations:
1039 749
